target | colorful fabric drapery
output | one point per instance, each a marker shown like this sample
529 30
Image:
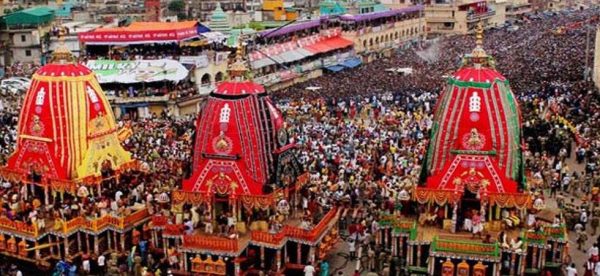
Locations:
442 197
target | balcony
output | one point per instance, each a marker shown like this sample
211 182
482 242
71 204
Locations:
441 20
202 242
479 16
62 228
100 224
143 99
518 10
18 227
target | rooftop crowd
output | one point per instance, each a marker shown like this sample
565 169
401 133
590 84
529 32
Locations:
363 134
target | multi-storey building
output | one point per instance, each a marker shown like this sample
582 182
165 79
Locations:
203 9
461 16
375 34
26 35
517 8
308 49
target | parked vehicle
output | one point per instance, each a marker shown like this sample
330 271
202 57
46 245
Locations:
15 85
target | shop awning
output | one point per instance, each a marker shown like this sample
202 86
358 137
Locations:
335 68
261 63
329 44
285 57
294 55
142 33
352 62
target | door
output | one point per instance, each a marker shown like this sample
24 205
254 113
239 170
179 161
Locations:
469 203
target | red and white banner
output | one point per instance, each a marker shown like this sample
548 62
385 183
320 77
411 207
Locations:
116 36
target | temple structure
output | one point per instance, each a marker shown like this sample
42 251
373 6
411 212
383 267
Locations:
244 168
475 159
68 143
218 20
241 147
473 177
67 130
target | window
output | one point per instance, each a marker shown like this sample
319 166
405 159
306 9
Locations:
23 38
28 53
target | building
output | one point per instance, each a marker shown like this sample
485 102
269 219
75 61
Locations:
26 34
298 52
204 69
330 7
460 17
279 10
219 21
515 9
71 39
376 34
222 21
340 7
153 10
204 9
309 49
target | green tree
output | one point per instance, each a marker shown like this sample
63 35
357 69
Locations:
176 6
182 16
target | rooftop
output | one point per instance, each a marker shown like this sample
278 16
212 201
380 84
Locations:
29 17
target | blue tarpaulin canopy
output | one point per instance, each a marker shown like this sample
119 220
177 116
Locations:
351 63
335 68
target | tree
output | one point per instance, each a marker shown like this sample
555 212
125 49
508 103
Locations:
182 16
176 6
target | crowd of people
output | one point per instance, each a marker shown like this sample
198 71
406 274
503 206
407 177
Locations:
363 139
19 69
176 91
545 68
149 51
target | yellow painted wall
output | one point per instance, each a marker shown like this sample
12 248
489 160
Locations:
279 14
157 108
271 5
291 15
385 38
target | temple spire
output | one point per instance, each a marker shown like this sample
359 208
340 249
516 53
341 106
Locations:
62 54
238 69
478 58
479 52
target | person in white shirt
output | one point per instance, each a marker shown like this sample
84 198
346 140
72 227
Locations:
571 270
309 270
516 245
352 248
118 195
85 265
101 264
583 218
597 269
593 252
189 227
